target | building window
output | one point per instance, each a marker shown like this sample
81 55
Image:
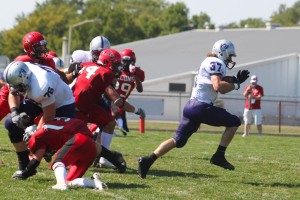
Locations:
176 87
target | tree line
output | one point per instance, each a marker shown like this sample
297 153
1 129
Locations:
121 21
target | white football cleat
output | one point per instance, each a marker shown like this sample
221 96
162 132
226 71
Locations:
60 186
99 184
103 163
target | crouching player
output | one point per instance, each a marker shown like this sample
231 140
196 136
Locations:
75 148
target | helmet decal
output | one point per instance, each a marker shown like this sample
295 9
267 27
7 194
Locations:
223 47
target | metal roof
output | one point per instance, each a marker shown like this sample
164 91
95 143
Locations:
183 52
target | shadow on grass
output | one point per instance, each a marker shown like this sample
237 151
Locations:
289 185
161 173
125 186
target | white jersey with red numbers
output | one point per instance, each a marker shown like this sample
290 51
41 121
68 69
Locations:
81 56
46 87
203 90
125 83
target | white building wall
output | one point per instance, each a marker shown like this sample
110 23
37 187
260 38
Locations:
279 76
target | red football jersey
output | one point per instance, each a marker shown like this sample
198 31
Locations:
90 85
126 84
4 92
4 106
256 91
54 134
47 60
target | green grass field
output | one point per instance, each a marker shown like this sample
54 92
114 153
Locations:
267 167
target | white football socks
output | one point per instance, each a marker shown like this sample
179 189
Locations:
106 139
60 172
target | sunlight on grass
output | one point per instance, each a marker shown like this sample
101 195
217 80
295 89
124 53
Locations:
266 168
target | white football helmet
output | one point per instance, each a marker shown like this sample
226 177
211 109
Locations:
17 75
98 44
58 63
225 50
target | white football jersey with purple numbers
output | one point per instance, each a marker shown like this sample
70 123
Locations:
46 87
203 90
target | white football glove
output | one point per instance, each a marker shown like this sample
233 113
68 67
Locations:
132 68
29 131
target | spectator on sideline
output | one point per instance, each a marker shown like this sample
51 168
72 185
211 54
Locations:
253 94
199 109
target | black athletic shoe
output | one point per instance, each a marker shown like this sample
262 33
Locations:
143 166
221 162
122 167
96 162
19 175
123 131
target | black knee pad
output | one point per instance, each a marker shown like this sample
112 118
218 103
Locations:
15 133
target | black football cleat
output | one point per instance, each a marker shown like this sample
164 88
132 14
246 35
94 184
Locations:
124 132
122 167
221 162
19 175
143 166
96 162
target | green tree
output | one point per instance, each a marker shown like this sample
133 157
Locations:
252 23
49 19
287 16
202 21
174 18
233 25
121 21
146 15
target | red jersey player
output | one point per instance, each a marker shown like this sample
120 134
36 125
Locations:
74 146
131 77
35 48
93 81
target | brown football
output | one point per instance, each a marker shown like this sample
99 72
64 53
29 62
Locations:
227 79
